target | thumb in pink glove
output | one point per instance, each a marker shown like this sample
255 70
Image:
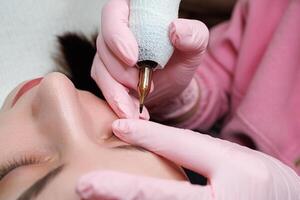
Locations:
114 70
234 172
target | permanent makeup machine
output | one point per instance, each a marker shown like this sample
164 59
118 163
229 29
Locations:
149 21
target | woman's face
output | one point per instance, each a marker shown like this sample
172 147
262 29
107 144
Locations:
46 124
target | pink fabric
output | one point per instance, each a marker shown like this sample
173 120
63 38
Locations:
251 75
168 110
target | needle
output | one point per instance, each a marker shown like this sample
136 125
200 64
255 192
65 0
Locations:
145 78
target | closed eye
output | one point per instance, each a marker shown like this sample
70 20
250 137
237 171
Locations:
16 163
21 161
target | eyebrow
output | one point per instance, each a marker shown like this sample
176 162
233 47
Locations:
131 148
36 188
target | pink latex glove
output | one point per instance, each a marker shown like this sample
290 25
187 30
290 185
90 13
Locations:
114 67
234 172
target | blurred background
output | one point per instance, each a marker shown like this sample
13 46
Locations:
211 12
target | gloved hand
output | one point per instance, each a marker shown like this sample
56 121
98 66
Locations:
234 172
114 66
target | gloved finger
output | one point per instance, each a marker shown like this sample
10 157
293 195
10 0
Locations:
121 186
189 36
127 76
116 32
190 39
115 93
195 151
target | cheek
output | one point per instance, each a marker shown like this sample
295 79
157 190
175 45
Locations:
132 162
146 164
63 187
98 116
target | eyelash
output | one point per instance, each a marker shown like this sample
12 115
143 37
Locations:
15 163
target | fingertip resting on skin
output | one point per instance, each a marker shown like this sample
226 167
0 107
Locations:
116 185
87 186
121 127
105 185
85 190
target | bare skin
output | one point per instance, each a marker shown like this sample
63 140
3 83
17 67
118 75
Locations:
55 124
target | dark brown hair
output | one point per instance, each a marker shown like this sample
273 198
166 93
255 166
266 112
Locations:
75 58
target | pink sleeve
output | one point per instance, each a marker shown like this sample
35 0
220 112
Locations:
216 71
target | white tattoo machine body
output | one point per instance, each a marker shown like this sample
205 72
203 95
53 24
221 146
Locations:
149 21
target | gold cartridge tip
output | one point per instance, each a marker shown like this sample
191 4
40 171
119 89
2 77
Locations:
145 78
143 93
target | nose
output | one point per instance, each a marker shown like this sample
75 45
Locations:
58 111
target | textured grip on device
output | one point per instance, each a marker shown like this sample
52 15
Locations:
149 21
